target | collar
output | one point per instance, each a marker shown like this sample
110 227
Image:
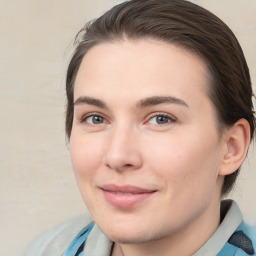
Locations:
97 243
232 219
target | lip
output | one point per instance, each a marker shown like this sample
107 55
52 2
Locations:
125 196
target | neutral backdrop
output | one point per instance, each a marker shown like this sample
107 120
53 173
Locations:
37 187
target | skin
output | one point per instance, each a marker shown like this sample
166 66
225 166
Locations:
172 147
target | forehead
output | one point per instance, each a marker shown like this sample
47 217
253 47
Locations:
144 65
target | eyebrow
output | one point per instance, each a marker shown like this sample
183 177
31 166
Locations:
90 101
147 102
155 100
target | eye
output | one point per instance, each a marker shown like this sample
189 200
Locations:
161 119
94 119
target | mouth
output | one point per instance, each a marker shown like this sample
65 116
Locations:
126 196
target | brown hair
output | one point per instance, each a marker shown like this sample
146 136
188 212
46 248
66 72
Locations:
187 25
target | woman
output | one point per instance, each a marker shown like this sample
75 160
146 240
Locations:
160 118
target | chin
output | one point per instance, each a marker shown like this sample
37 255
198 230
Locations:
127 235
128 239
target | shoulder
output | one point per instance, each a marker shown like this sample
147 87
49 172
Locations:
56 240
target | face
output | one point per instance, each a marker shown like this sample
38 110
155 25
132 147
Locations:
144 144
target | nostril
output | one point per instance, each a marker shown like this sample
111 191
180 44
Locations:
122 160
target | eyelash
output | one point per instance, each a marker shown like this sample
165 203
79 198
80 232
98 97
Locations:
83 119
169 118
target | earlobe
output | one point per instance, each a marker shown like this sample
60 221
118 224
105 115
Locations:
237 143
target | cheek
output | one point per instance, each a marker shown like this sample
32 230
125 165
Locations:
85 156
184 161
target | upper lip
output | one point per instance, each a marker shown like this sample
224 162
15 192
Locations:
126 189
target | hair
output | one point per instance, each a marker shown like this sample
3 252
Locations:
186 25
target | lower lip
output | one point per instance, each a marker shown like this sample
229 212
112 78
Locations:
126 201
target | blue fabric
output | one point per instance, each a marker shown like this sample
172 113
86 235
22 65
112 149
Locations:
76 246
228 249
250 231
241 243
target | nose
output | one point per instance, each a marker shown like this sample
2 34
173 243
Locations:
122 150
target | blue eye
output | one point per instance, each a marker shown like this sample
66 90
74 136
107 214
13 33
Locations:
95 119
160 119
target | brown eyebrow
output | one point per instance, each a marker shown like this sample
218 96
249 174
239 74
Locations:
148 102
90 101
155 100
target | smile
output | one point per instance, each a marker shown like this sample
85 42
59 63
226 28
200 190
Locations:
125 196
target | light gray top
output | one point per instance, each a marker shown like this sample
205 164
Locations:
55 241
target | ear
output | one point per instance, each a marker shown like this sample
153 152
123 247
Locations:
237 140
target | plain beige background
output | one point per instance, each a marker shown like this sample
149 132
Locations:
37 187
